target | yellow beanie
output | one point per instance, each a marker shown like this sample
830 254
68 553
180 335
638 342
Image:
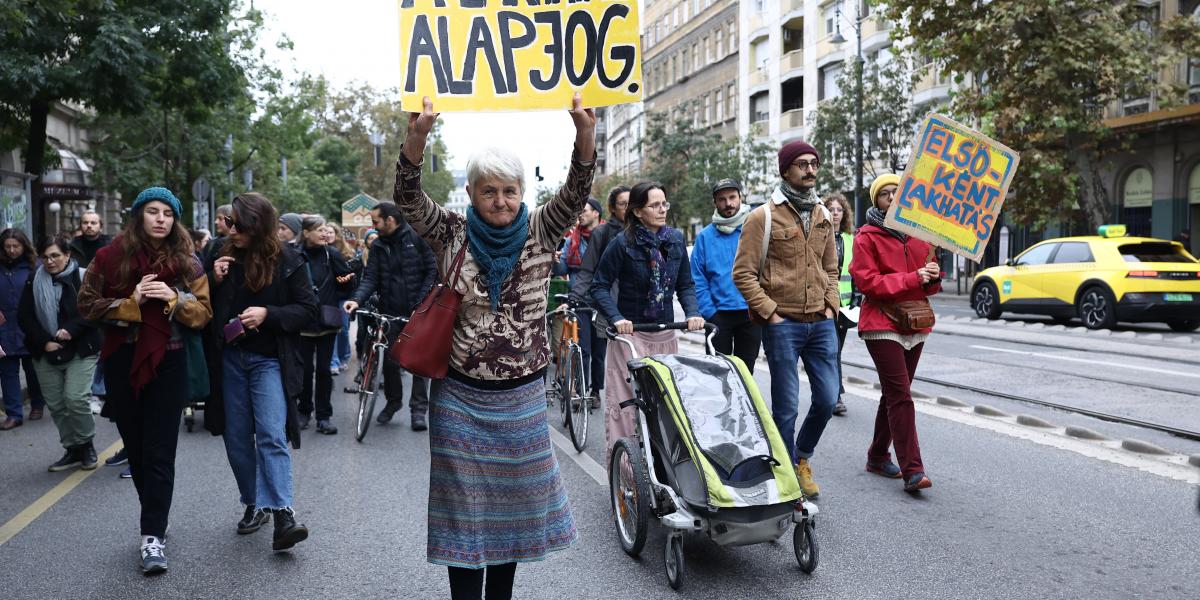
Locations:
882 180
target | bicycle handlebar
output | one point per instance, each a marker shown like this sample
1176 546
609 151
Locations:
379 316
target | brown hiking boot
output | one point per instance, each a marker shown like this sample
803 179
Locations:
804 474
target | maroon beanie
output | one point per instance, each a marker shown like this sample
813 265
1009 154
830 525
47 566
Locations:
792 150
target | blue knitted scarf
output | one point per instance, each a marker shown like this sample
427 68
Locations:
496 249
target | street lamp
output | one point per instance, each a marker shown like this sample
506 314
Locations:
838 38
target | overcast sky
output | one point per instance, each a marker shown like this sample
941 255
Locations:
357 40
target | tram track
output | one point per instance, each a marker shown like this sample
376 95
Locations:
1174 431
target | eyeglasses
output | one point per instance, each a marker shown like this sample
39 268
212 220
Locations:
656 206
229 222
805 165
886 193
624 204
55 257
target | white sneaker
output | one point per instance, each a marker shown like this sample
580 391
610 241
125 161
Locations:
97 405
154 560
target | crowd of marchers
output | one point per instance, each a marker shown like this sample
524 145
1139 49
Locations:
255 324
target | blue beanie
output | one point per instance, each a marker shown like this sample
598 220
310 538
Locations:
161 194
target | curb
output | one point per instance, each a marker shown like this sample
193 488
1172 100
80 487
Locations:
1032 421
1084 433
1141 447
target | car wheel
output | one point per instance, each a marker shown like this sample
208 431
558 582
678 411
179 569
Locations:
1184 325
1097 308
986 301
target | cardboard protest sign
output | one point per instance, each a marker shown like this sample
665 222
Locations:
953 188
483 55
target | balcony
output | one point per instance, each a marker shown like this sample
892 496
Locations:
792 119
791 61
757 77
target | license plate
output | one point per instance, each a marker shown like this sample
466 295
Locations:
1178 297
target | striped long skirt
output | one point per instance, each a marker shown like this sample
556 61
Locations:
495 493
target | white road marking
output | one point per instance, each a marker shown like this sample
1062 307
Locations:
1089 361
585 462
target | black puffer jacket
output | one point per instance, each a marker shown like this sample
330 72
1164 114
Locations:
402 269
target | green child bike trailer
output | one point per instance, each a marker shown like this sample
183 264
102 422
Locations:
706 458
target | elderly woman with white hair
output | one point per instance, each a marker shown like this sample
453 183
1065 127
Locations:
495 494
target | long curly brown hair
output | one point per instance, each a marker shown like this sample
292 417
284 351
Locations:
177 251
256 220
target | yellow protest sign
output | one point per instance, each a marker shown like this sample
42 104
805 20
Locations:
954 187
485 55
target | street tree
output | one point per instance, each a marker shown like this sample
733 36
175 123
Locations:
688 159
889 122
118 56
1037 74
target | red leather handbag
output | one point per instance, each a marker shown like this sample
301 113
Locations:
423 347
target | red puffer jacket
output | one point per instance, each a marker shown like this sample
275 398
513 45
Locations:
885 270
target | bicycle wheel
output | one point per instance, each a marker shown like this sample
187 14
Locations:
366 394
579 400
629 489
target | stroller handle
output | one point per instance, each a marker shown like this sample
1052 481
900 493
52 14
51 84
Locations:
709 328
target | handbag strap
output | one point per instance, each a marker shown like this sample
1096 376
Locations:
456 266
328 272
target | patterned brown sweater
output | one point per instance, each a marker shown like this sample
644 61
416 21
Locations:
512 342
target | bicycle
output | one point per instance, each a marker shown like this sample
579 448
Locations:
370 367
569 385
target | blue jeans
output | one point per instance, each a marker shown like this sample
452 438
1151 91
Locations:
255 428
816 344
10 386
341 347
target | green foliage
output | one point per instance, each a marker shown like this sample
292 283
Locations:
1041 73
687 160
889 121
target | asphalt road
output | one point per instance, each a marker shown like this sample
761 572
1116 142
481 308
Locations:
1011 515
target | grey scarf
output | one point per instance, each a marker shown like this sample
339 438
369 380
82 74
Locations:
877 217
47 294
730 225
802 201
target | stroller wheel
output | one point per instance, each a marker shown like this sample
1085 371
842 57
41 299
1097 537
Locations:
805 545
674 560
629 488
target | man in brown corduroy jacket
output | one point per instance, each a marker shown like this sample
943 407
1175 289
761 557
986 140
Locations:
794 290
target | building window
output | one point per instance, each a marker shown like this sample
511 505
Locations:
720 42
720 106
696 56
732 37
830 17
708 57
829 76
731 98
760 107
707 109
686 62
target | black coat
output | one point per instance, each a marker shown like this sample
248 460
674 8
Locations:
401 269
581 280
84 255
291 306
325 265
85 336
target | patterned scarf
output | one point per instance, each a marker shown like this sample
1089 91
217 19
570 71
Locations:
876 217
802 201
730 225
661 282
496 249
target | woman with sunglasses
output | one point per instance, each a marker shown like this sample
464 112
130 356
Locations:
147 287
64 346
262 299
649 264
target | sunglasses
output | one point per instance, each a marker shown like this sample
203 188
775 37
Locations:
229 222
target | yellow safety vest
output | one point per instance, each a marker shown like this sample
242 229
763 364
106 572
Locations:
845 285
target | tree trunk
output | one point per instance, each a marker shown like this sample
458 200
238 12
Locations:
1093 199
35 162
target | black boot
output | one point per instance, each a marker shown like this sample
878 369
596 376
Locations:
87 456
252 519
288 532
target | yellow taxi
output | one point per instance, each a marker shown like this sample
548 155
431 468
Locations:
1100 279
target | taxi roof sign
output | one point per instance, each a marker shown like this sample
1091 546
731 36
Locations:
1112 231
